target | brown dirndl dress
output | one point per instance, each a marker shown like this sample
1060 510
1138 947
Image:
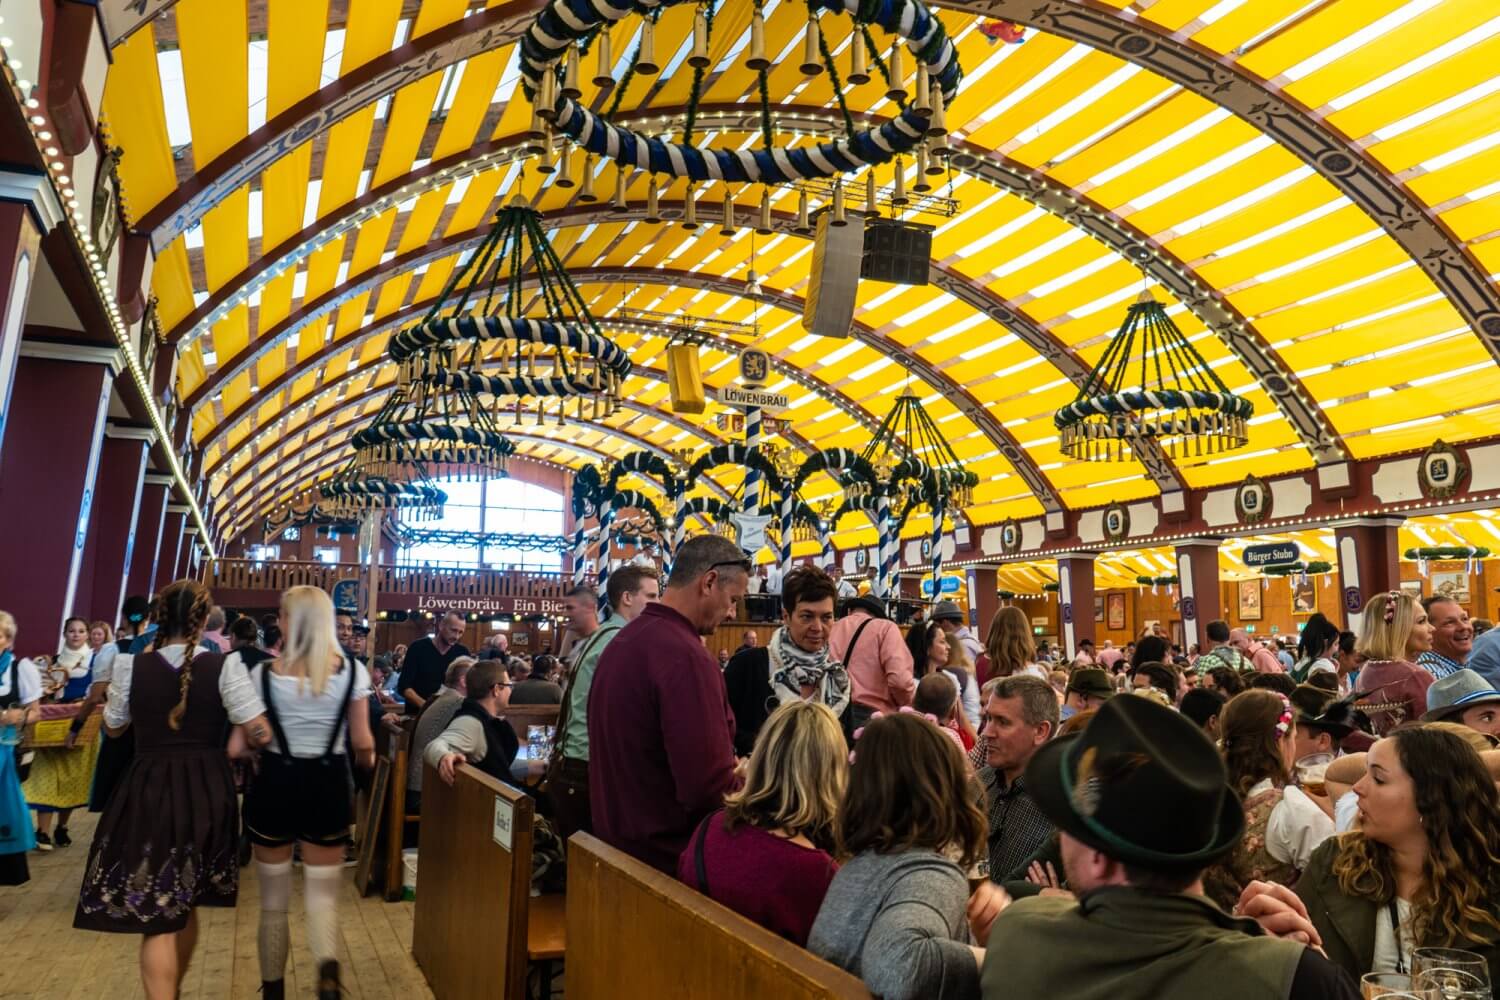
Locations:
166 842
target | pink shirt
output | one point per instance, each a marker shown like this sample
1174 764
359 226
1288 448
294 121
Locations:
881 674
1265 661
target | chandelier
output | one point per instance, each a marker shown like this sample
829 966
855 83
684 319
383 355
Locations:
1151 385
545 361
565 31
910 453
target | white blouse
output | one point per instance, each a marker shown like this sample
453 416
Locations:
1296 827
307 718
235 690
26 676
104 663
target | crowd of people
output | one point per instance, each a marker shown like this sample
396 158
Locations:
943 816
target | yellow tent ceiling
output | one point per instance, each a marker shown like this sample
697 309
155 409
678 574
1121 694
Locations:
276 388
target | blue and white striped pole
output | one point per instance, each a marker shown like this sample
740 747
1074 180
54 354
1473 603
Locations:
825 540
752 475
883 530
605 517
580 555
937 545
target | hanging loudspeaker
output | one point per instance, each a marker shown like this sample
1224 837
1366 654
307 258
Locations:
684 380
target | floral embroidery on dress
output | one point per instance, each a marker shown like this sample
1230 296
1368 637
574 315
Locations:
150 892
1252 859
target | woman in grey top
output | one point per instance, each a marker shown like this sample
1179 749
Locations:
899 913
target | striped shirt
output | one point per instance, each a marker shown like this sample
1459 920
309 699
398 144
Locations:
1438 665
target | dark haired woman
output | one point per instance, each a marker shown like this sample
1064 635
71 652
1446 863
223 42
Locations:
1283 825
166 843
794 665
1316 648
1423 869
1150 649
931 651
60 776
899 914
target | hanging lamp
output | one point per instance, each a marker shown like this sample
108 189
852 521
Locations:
1152 385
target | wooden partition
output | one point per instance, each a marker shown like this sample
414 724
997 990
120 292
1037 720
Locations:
473 895
635 934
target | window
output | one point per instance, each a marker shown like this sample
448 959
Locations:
326 553
493 506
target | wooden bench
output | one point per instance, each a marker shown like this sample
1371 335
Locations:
476 928
636 933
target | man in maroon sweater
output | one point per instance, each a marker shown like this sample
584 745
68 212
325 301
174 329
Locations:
661 750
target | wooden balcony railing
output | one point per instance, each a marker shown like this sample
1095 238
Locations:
233 580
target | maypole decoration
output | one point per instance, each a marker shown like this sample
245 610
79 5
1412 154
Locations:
1151 384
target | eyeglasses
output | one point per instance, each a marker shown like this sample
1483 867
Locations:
742 563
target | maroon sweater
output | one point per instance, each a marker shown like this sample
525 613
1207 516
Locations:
661 750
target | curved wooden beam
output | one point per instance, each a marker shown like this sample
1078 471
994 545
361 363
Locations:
1294 126
1312 425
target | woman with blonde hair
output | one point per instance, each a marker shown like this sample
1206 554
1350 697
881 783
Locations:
20 690
1283 825
767 854
313 692
1009 648
168 839
1391 688
1423 869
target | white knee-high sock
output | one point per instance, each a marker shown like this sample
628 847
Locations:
275 896
322 896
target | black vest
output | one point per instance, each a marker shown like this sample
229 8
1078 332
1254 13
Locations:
500 743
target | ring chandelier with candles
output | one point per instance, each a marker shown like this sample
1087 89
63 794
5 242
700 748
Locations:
554 45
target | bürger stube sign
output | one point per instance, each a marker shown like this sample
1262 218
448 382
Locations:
1278 554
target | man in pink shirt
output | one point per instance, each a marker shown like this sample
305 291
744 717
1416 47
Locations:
1262 659
880 671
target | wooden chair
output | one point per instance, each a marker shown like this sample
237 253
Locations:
396 816
472 886
633 932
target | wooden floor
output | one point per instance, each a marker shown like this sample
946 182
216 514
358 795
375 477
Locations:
46 959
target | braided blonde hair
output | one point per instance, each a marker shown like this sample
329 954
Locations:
181 612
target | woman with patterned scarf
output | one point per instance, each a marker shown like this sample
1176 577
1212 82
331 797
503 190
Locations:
794 665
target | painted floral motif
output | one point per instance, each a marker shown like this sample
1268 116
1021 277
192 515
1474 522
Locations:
153 892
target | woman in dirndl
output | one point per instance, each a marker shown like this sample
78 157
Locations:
60 776
115 752
166 842
20 690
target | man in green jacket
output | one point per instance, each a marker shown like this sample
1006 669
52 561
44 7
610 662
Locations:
1142 806
629 590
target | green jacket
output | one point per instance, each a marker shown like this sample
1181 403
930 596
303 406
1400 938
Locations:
1119 942
1347 923
573 724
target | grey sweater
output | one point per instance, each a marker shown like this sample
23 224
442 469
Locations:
898 922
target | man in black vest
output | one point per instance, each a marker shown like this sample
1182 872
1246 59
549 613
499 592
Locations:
476 735
1142 804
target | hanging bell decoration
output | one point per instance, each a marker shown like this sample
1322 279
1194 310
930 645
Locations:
646 64
937 122
698 59
921 185
570 88
859 60
812 63
546 164
839 217
653 212
690 210
536 132
923 100
564 178
586 192
763 224
619 201
897 89
757 60
872 207
728 228
898 186
604 74
804 225
935 149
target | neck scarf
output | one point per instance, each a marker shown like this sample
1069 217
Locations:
793 668
73 660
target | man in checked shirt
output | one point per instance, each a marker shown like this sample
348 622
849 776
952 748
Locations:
1019 718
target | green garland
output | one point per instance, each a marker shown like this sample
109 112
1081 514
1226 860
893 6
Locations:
1158 581
833 71
879 61
697 90
1431 552
1052 588
1312 568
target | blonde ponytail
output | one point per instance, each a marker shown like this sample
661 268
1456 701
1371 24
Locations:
310 645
